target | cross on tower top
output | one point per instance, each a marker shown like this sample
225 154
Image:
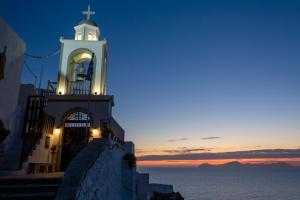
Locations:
88 13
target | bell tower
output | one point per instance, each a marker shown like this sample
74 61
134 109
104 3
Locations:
78 102
76 57
75 109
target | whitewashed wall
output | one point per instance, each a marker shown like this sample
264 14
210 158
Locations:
10 85
109 178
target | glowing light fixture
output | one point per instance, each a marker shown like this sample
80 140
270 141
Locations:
61 92
56 131
95 133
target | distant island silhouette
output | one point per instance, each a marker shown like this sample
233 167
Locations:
238 165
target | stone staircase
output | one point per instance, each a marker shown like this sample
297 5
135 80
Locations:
30 187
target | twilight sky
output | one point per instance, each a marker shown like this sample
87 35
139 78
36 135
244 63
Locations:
188 77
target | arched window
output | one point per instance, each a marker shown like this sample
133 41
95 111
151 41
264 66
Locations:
90 36
79 36
78 119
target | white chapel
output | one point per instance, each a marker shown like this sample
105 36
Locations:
62 142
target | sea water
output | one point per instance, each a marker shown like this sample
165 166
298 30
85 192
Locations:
220 184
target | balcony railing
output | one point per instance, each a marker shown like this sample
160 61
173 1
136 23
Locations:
73 88
78 88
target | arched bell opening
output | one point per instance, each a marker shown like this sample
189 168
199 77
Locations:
76 133
79 80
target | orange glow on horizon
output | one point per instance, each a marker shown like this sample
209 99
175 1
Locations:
195 163
162 151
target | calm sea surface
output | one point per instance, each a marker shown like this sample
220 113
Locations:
196 184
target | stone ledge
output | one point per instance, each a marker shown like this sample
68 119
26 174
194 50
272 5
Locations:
78 167
81 98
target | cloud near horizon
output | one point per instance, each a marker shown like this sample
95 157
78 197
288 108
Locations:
143 151
191 155
210 138
184 138
185 150
175 140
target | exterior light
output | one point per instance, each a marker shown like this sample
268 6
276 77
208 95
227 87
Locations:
61 91
95 133
96 91
56 131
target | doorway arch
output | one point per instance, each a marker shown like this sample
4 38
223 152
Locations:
76 133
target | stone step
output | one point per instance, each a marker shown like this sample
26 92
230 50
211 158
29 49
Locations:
25 181
30 188
29 196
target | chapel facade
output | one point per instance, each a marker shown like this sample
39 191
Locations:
75 109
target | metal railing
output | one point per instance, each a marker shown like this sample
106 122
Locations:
78 88
36 123
73 88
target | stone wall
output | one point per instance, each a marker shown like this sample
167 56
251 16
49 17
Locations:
99 172
14 142
11 71
104 179
143 188
40 154
11 62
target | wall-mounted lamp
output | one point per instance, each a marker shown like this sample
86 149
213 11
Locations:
95 133
56 131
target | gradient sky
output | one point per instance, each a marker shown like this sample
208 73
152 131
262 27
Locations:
185 71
